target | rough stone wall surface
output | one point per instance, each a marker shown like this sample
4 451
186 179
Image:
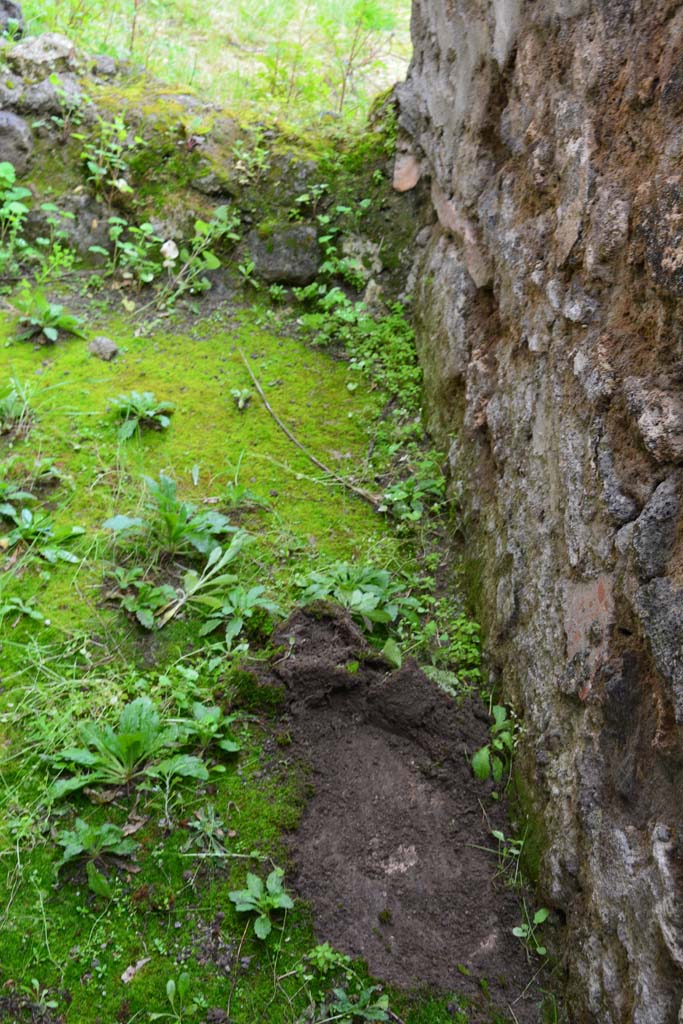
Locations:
549 295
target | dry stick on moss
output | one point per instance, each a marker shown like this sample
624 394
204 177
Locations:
372 499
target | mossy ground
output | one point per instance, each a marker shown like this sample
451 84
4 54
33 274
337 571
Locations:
91 658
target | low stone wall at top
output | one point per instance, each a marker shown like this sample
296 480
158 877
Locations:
549 294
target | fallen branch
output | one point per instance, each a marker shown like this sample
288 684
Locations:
372 499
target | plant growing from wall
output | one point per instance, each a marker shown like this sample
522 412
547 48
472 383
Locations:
494 759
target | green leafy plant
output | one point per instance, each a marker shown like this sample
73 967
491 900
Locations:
262 900
171 771
140 410
189 264
209 726
462 646
208 832
171 525
40 997
362 1005
52 253
369 594
106 153
213 581
176 994
86 841
509 855
137 254
252 159
17 607
13 213
45 472
118 757
141 598
424 490
494 759
526 931
246 271
38 533
319 967
46 319
234 609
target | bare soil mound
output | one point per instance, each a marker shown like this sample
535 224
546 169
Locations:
387 848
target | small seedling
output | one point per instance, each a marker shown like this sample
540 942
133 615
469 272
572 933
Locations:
262 900
170 771
141 410
527 930
208 832
176 994
40 997
242 397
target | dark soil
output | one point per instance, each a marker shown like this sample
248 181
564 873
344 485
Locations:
387 848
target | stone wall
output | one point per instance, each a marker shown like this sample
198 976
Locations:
549 295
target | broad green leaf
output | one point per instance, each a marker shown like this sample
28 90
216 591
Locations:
127 429
62 787
184 765
481 763
98 883
274 881
145 617
262 926
255 885
120 523
499 714
229 746
392 652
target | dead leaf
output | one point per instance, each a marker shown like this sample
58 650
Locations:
101 796
131 971
133 825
